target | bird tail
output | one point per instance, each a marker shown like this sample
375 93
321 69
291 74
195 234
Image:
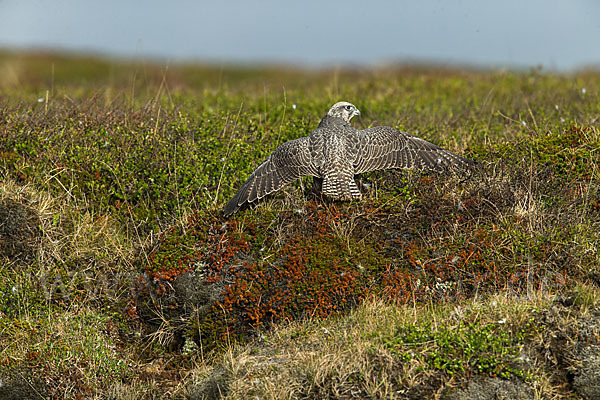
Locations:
340 187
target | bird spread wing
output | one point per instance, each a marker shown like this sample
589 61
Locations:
290 161
384 147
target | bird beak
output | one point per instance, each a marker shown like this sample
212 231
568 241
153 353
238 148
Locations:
357 112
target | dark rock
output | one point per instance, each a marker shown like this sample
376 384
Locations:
18 389
586 374
19 229
492 389
212 388
192 290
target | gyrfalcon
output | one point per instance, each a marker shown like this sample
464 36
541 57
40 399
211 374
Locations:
335 152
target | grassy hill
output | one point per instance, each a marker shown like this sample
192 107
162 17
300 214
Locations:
121 278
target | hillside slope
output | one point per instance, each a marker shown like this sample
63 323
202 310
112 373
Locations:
122 279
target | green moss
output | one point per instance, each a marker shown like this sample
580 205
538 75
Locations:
569 152
72 349
466 350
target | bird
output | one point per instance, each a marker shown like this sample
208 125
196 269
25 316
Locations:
335 152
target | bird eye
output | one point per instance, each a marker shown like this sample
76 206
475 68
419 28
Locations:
348 107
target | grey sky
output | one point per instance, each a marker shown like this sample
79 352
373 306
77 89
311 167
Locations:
558 34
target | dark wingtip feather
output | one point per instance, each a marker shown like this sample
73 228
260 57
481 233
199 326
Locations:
231 207
240 198
467 163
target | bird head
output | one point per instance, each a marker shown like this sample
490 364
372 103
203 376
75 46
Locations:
343 110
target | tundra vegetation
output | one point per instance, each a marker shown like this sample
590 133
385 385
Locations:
120 278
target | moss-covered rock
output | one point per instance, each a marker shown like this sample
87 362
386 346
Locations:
412 238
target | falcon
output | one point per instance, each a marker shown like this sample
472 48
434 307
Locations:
335 152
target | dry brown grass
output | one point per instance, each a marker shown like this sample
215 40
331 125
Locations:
342 358
61 339
59 230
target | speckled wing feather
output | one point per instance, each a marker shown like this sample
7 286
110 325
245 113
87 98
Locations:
290 161
384 147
